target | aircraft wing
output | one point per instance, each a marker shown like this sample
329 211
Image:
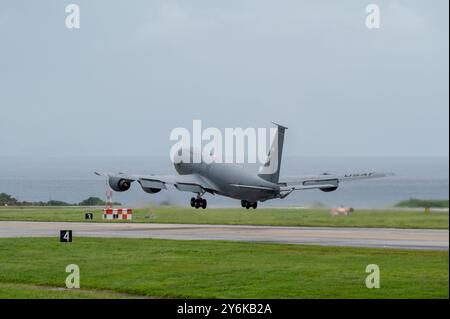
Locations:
325 181
186 183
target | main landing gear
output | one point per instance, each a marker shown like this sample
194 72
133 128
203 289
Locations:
247 204
198 202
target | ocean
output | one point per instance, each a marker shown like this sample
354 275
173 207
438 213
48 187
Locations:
71 179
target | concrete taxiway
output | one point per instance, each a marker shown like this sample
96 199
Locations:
328 236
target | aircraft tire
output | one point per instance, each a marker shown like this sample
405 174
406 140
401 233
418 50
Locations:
254 205
204 203
192 202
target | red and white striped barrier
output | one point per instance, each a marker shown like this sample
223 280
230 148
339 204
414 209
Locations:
118 213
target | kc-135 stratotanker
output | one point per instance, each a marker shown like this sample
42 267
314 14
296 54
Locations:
234 181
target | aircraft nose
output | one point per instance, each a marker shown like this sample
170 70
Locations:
181 155
175 156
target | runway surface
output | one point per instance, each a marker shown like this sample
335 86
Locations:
328 236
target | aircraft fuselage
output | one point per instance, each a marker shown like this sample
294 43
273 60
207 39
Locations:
224 176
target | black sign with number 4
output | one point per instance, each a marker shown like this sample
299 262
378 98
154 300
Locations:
65 236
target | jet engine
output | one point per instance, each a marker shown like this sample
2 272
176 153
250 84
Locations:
328 189
151 190
119 184
151 186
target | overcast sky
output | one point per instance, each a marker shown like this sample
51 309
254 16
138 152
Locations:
137 69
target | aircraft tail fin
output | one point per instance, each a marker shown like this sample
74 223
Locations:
270 171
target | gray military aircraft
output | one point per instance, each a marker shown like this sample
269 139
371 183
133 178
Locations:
233 180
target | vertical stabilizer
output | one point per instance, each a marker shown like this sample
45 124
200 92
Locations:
270 171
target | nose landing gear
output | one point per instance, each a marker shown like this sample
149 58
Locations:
198 202
247 204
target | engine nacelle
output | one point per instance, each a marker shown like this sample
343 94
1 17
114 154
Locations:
328 189
119 184
151 190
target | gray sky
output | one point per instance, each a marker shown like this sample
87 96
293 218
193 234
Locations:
137 69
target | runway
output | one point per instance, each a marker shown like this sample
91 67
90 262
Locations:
327 236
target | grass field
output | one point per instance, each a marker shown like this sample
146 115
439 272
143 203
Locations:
234 216
24 291
118 268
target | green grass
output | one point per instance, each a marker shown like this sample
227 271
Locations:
422 203
235 216
24 291
214 269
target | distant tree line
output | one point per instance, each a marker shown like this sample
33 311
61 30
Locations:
424 203
8 200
